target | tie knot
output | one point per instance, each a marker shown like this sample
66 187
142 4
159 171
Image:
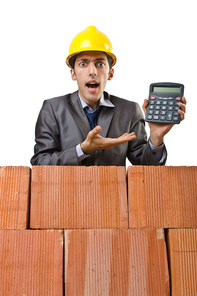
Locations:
93 116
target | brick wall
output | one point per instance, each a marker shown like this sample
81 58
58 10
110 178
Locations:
98 231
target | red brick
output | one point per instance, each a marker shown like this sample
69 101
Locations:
162 197
14 197
31 262
182 245
116 262
78 197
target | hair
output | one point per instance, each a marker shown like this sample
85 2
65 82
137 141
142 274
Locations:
109 60
73 59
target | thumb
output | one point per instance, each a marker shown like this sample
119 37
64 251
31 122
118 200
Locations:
95 131
144 106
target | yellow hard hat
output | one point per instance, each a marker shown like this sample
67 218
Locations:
90 39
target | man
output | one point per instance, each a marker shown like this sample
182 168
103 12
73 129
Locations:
91 127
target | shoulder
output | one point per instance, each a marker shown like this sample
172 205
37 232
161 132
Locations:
120 102
126 107
59 102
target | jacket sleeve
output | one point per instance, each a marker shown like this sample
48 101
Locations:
139 152
47 150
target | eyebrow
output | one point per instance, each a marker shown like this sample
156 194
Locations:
86 59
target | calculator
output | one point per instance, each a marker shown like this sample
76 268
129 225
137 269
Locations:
163 100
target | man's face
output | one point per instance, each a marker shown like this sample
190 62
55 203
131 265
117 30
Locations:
91 72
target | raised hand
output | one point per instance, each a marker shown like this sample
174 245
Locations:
159 130
95 142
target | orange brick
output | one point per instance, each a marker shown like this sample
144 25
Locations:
162 197
78 197
14 197
182 245
31 262
116 262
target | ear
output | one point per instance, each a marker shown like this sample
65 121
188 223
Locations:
111 74
73 76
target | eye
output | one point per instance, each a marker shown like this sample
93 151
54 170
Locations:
82 64
101 64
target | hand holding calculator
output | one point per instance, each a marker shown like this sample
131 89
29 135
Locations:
163 102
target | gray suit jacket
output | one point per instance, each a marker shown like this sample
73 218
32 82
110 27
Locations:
62 124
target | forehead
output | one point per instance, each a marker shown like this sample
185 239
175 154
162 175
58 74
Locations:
91 55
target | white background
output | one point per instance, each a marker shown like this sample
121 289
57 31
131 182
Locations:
154 41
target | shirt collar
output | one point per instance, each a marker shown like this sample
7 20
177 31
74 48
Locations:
103 102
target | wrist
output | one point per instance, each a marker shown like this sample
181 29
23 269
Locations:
85 147
156 141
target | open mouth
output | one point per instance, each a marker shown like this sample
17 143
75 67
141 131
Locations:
92 85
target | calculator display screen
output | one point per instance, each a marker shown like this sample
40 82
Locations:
166 89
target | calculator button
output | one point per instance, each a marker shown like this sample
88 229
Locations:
169 115
170 108
151 102
156 112
158 103
170 98
152 98
170 103
162 117
150 112
163 108
164 103
163 112
156 117
150 117
176 108
176 113
151 107
157 108
178 99
175 118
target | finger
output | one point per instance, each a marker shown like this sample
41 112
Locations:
123 135
184 100
95 131
111 142
183 107
182 114
98 128
183 104
127 137
144 106
133 135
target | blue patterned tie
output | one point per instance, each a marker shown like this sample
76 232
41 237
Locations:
93 117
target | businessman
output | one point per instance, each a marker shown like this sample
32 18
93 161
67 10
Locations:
90 126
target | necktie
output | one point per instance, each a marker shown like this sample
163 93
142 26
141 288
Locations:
93 117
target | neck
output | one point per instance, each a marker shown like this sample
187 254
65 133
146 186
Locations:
93 104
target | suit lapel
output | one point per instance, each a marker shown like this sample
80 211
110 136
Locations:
104 121
78 114
105 117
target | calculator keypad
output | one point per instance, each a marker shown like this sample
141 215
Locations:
163 109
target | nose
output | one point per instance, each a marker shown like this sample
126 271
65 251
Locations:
92 69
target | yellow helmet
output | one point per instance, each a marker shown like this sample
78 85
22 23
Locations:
90 39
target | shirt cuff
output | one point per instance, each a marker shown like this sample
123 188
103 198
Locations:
158 152
80 154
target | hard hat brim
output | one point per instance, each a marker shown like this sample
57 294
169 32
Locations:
70 57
